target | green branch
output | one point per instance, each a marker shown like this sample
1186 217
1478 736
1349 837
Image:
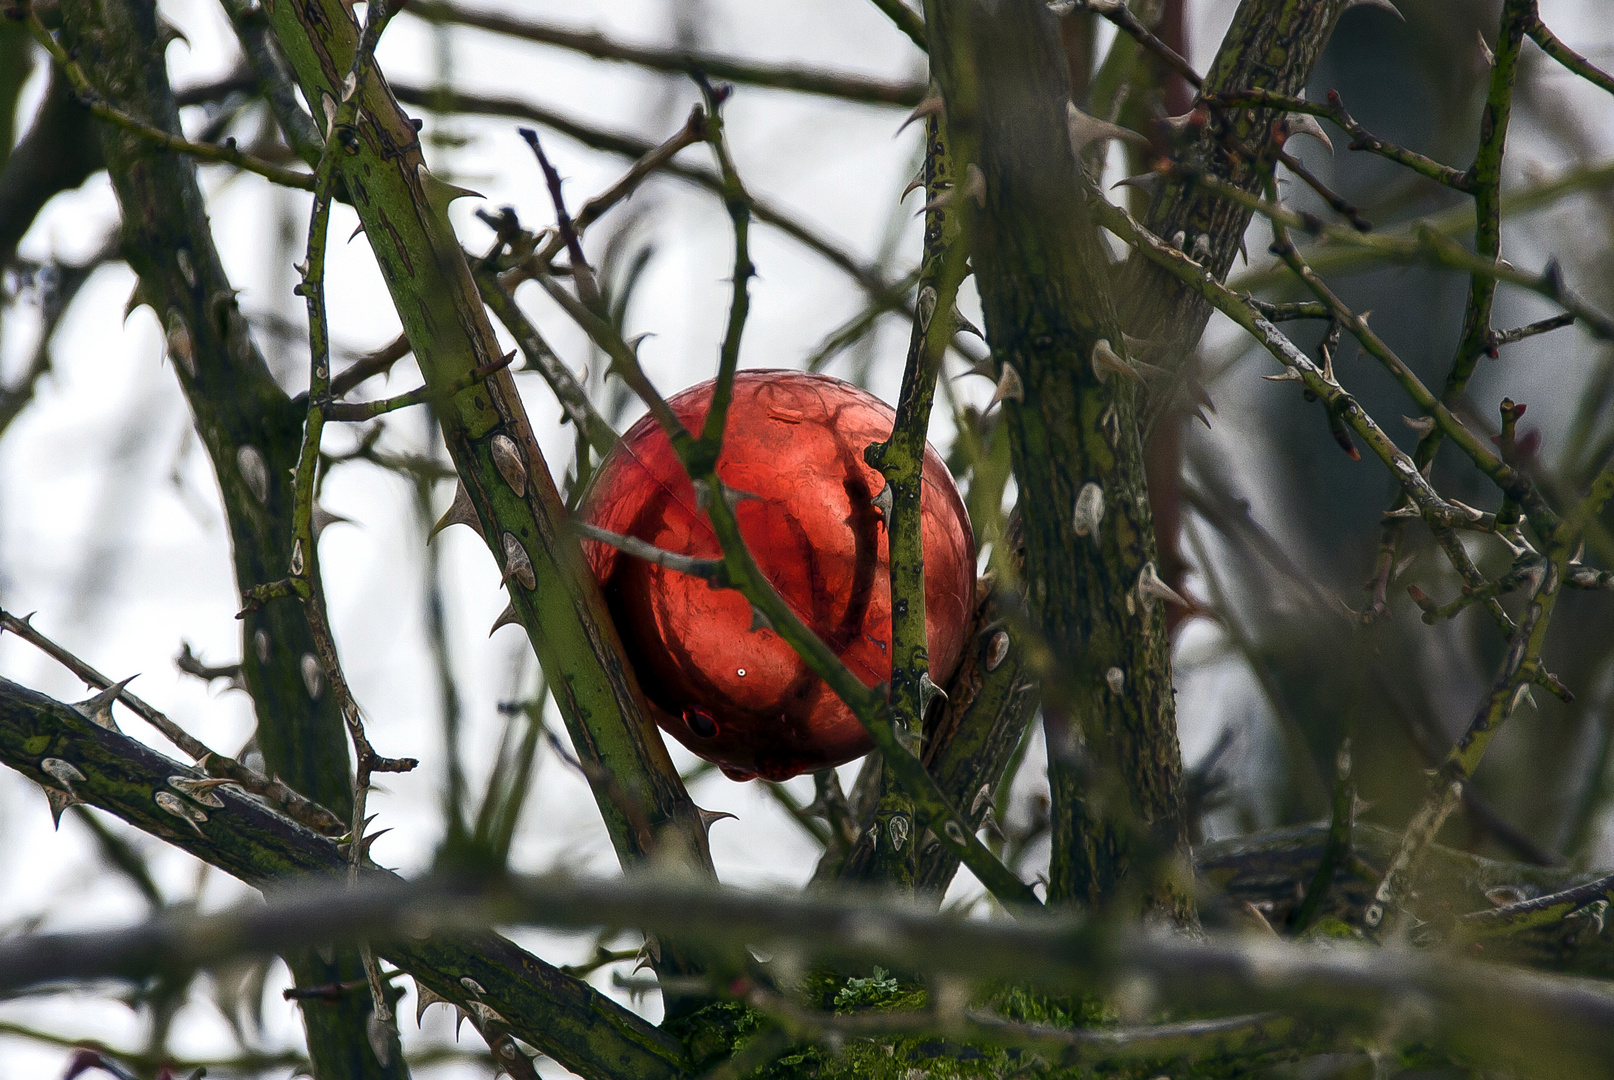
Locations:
1096 623
250 430
905 19
1361 138
1481 1011
900 461
1555 48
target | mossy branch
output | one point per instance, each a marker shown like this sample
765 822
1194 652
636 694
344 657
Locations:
561 1016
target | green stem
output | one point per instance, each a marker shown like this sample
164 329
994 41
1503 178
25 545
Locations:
1361 138
900 460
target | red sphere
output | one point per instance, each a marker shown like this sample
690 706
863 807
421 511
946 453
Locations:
741 697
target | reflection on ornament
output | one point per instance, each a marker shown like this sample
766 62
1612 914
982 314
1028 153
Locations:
740 696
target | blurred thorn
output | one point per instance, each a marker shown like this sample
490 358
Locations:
1382 5
1151 588
1144 182
1423 425
1085 130
917 183
932 105
1009 387
425 997
324 518
962 325
59 802
712 817
975 184
1106 362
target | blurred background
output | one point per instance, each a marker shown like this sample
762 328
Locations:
111 527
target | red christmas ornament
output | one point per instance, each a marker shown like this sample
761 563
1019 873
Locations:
741 697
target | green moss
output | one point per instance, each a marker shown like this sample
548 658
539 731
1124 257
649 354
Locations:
1331 927
713 1032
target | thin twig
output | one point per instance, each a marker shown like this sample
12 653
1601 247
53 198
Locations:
655 159
814 80
1518 666
1337 849
354 411
900 461
1499 338
1118 13
573 398
906 19
1361 138
869 278
305 573
587 289
1569 58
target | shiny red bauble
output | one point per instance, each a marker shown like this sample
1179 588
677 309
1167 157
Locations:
741 697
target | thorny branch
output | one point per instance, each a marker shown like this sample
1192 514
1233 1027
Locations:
305 574
225 768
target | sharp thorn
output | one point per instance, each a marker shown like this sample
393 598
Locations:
712 817
1383 5
59 802
916 184
507 617
1151 588
98 709
461 512
1106 362
425 997
1306 124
